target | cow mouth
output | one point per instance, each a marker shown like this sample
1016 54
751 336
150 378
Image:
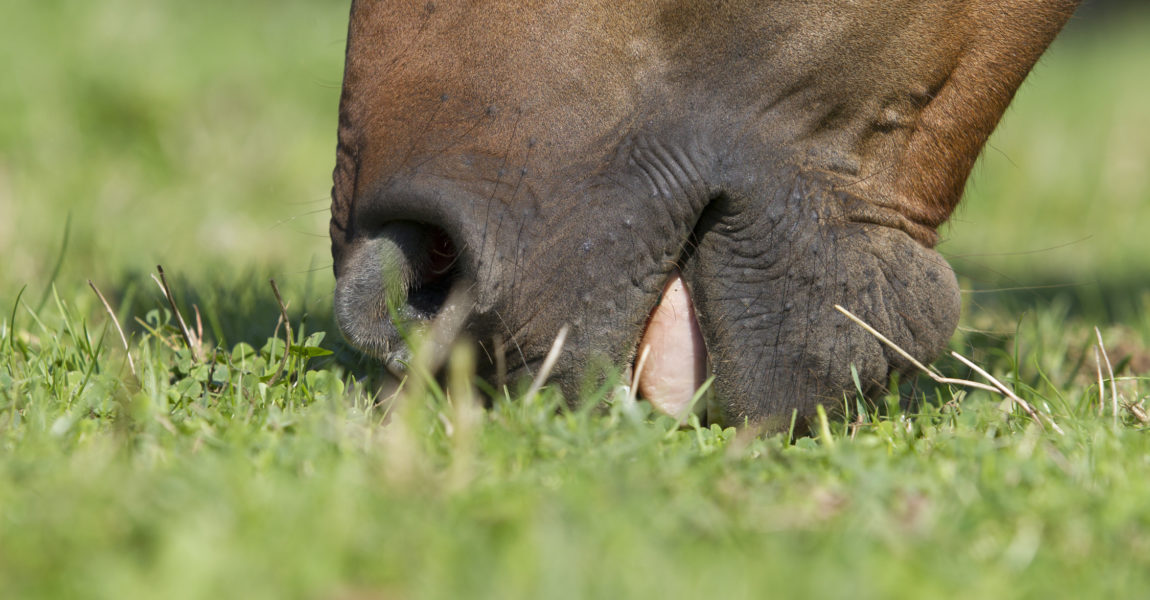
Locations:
671 362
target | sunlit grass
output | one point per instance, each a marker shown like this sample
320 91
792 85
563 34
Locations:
208 476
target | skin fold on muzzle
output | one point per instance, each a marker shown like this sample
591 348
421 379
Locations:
704 179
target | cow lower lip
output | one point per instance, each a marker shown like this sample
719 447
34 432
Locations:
676 362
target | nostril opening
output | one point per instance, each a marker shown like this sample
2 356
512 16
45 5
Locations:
438 275
442 255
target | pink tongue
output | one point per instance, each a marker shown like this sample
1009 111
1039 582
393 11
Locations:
676 363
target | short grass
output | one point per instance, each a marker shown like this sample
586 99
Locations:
200 136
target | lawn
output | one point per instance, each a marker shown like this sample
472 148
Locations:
201 136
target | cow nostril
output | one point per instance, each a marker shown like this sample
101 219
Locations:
401 274
442 255
437 273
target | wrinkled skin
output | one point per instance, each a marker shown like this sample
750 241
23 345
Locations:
559 161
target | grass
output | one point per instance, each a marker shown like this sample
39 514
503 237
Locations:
200 137
206 479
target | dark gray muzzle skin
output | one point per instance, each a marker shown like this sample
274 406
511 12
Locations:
555 168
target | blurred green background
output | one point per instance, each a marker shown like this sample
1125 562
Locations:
201 136
197 135
1058 204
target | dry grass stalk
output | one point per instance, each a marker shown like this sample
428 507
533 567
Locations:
199 324
116 322
633 389
857 424
1138 412
937 377
191 340
998 387
548 364
1133 407
1101 383
287 338
1006 391
1109 371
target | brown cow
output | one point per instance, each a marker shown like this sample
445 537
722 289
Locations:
761 161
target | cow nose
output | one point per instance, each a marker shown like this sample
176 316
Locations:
392 279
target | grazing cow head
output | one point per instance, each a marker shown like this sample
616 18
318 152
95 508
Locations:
750 163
